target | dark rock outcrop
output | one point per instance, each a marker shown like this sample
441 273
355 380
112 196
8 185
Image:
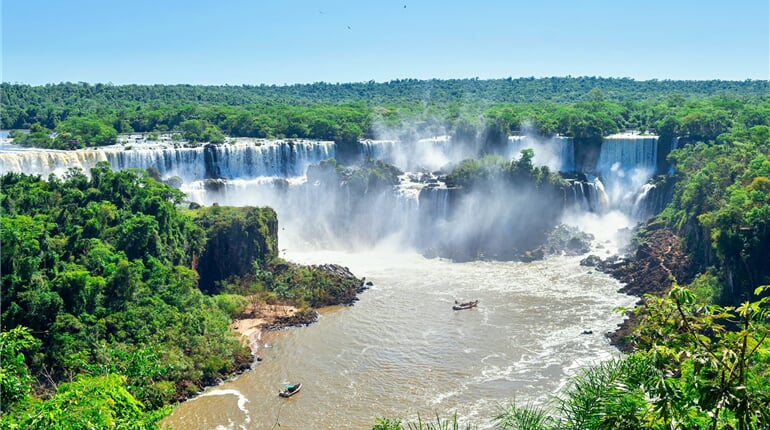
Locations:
236 238
564 239
657 261
349 286
591 261
297 319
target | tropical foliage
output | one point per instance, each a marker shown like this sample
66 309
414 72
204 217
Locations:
98 271
104 313
721 207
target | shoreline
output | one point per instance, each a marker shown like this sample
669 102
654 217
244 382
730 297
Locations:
655 264
257 319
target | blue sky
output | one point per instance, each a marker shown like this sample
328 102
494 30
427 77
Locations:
291 41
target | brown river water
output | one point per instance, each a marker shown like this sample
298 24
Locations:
402 352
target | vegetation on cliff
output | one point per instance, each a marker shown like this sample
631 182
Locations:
238 239
504 208
721 208
241 257
103 323
98 272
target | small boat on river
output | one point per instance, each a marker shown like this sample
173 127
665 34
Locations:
465 305
290 390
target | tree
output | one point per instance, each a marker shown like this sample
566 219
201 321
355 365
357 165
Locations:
139 235
122 285
212 134
84 131
711 361
192 130
15 379
38 136
100 402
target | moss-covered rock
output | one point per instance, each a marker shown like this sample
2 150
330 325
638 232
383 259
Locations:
236 238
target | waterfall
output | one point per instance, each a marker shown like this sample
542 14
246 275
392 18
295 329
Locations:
434 202
588 196
627 151
243 159
652 198
423 154
556 152
45 162
626 163
642 207
418 211
674 145
378 149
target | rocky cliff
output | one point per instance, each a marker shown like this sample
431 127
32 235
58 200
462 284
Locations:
236 238
658 260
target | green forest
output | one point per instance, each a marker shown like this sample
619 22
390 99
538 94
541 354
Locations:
104 322
112 310
84 115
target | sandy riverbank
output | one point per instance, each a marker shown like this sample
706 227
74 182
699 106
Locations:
258 318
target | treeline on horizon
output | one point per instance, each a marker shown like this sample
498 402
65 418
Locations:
509 90
91 115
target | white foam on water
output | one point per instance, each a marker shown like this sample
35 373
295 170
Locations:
241 399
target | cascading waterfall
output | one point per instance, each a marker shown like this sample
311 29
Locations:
245 158
651 198
419 208
556 152
626 152
588 196
626 163
423 154
45 162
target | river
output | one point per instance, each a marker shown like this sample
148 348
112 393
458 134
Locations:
402 352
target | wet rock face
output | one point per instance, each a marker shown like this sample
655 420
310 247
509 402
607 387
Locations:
236 238
591 261
657 260
568 240
349 286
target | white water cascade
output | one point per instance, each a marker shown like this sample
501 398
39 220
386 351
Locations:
556 152
626 163
243 158
272 172
423 154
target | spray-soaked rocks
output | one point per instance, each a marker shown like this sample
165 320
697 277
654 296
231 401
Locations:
591 261
568 240
347 285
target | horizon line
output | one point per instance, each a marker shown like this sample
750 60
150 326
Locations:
373 81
